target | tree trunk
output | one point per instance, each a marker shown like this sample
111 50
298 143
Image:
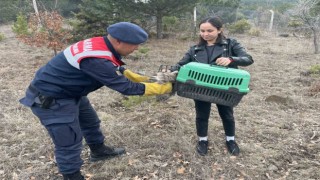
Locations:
159 26
56 4
195 21
315 41
35 7
55 50
271 20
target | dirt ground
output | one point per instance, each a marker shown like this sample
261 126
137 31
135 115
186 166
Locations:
277 123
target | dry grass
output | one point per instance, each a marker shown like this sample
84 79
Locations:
277 122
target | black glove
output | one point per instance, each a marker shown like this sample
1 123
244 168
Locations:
175 68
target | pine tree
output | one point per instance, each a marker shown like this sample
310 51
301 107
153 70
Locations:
20 27
160 9
95 15
226 9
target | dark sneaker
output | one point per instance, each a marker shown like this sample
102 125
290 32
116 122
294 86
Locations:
233 148
102 152
202 147
74 176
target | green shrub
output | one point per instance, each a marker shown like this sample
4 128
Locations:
143 50
239 27
169 23
131 101
295 23
183 38
315 69
1 37
137 56
141 53
254 32
152 34
20 27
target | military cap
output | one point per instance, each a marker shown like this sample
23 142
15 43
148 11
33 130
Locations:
127 32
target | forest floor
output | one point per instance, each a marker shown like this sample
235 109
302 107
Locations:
277 123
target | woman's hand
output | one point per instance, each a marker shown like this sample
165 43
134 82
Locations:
223 61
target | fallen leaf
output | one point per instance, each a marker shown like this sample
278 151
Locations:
177 154
233 157
158 126
186 162
132 161
136 178
15 176
268 176
88 176
179 160
215 167
154 123
240 164
181 170
154 174
164 165
120 174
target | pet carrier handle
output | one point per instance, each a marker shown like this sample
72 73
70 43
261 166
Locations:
215 64
190 81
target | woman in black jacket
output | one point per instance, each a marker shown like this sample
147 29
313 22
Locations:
215 48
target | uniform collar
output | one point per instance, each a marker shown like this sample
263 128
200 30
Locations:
114 52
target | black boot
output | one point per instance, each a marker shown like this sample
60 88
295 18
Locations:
233 148
74 176
101 152
202 147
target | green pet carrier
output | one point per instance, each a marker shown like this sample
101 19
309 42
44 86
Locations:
211 83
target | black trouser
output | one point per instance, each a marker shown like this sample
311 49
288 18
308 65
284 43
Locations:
202 118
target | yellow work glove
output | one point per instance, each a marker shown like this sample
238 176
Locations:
157 89
135 77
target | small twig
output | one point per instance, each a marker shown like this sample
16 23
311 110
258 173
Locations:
314 135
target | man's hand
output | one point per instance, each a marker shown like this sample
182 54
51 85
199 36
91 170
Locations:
134 76
157 89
